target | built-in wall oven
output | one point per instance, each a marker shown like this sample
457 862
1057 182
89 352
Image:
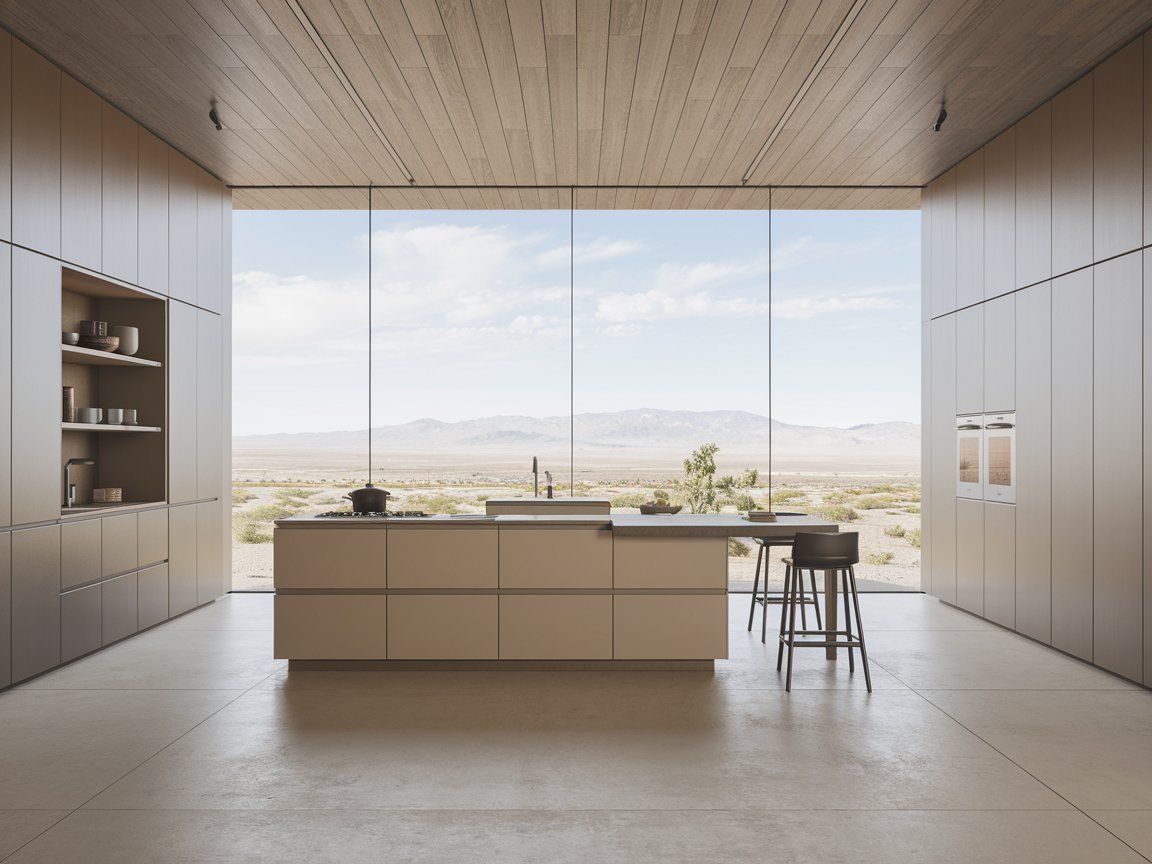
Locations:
986 457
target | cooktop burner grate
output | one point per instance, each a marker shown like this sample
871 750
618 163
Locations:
384 514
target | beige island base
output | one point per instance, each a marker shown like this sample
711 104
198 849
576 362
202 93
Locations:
511 590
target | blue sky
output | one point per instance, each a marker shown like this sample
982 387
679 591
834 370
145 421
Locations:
473 315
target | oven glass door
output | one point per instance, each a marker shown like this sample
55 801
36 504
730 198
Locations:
969 457
1000 458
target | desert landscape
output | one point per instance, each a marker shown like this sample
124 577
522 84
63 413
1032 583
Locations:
865 477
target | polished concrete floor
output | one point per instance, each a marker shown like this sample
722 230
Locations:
189 743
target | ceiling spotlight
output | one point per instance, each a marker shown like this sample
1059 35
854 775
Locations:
940 118
215 118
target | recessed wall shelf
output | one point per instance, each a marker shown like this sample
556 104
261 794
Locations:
92 357
106 427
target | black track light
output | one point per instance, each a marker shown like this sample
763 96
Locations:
215 118
940 118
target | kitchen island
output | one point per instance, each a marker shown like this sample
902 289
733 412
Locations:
510 590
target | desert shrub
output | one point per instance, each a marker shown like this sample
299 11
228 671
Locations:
482 497
241 496
836 496
913 537
894 531
293 497
875 502
741 501
836 513
629 499
913 509
432 502
329 501
268 512
788 495
738 549
879 557
251 532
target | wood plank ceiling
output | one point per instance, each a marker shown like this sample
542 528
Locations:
637 103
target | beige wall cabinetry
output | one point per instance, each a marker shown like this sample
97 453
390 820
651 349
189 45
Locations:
670 626
1148 446
942 487
1000 563
79 622
1072 177
5 135
337 558
943 230
5 609
1117 520
152 596
465 557
35 600
1034 462
1000 214
970 555
81 554
35 151
970 360
181 559
970 230
80 174
555 627
1034 197
555 558
182 389
152 223
119 541
181 228
443 627
152 545
331 627
209 405
36 468
210 577
999 388
118 607
209 241
121 195
5 385
1117 152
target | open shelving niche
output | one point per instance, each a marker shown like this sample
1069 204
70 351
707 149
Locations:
131 457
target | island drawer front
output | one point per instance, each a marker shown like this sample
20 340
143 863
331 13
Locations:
555 627
331 627
330 557
118 542
555 558
443 627
438 557
670 627
670 562
80 555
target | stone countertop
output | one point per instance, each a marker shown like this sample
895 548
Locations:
624 524
542 500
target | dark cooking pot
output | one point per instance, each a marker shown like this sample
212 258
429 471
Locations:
369 499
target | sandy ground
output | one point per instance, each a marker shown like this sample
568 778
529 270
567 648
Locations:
882 505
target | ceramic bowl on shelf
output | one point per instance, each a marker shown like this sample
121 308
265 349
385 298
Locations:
100 343
70 338
129 338
89 415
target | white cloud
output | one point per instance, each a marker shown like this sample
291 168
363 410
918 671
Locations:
600 249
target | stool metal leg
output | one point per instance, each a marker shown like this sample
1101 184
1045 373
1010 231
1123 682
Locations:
791 632
803 601
860 628
847 621
815 600
755 588
783 613
764 596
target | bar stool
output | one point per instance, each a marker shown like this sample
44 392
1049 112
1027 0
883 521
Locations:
764 601
811 551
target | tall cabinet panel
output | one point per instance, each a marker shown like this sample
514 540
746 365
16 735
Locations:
1000 563
209 240
1072 177
80 182
5 135
970 230
152 233
970 360
209 551
1072 463
926 311
1000 354
1034 462
944 244
121 195
182 587
1117 523
36 477
35 151
970 555
1117 152
1034 197
182 387
181 227
1148 465
5 387
209 405
943 451
926 442
35 601
1000 214
5 609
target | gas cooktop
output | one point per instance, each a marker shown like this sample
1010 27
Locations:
383 514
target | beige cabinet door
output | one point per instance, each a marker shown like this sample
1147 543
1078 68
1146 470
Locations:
120 226
670 562
5 604
942 426
120 539
970 360
209 241
182 389
211 580
1072 177
1072 463
999 388
1034 462
209 405
181 227
181 559
118 607
443 627
81 553
80 174
1117 523
35 600
331 627
37 472
5 136
1034 197
152 226
79 622
943 284
555 627
1000 563
670 627
152 537
1000 214
970 555
330 557
1118 152
465 557
1148 431
152 596
35 151
970 230
5 374
555 558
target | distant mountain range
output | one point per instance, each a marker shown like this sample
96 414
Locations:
644 429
